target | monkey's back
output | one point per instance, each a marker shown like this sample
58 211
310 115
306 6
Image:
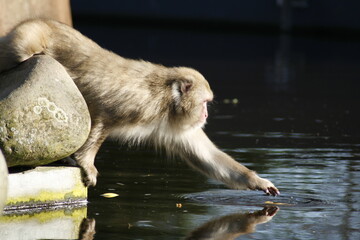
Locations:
115 88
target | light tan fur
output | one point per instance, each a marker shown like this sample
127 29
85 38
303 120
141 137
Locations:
134 100
232 226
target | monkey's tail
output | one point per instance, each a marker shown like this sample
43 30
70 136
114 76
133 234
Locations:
25 40
44 36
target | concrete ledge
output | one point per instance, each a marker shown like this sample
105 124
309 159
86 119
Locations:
45 188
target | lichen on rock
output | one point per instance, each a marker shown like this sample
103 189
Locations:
43 116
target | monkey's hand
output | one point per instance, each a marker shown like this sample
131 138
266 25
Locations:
266 186
264 215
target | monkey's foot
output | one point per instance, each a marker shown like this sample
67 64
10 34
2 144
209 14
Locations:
267 186
90 176
87 229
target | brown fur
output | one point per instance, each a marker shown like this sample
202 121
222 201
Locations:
136 101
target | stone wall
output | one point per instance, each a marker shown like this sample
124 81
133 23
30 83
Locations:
13 12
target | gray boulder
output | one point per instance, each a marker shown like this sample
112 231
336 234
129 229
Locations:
3 181
43 116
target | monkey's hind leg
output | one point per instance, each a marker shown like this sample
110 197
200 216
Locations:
85 156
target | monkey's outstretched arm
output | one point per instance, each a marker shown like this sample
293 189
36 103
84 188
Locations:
203 155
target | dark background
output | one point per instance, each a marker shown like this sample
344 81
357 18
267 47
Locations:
301 13
285 57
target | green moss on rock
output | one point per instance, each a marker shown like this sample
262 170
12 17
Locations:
43 116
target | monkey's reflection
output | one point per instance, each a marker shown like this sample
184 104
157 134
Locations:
224 228
232 226
87 229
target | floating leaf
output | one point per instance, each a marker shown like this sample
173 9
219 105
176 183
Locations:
109 195
278 203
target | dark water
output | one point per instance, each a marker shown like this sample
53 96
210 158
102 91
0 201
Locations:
287 107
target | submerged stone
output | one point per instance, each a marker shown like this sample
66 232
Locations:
43 116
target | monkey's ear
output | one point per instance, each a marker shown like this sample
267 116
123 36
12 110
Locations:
179 88
185 86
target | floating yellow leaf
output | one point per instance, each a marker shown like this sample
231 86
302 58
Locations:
278 203
109 195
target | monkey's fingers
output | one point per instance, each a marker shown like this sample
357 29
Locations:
267 186
272 191
271 211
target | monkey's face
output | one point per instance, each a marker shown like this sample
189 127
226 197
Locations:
191 94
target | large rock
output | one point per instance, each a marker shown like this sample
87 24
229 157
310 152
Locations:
43 116
3 181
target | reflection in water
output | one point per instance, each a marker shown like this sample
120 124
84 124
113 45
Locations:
87 229
64 223
281 73
232 226
57 224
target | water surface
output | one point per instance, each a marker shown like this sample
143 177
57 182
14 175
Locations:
287 107
318 177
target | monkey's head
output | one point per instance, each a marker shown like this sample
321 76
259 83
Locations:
190 93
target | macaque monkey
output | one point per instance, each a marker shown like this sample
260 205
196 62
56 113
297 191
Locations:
133 100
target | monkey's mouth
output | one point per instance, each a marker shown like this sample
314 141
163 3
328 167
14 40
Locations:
205 110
